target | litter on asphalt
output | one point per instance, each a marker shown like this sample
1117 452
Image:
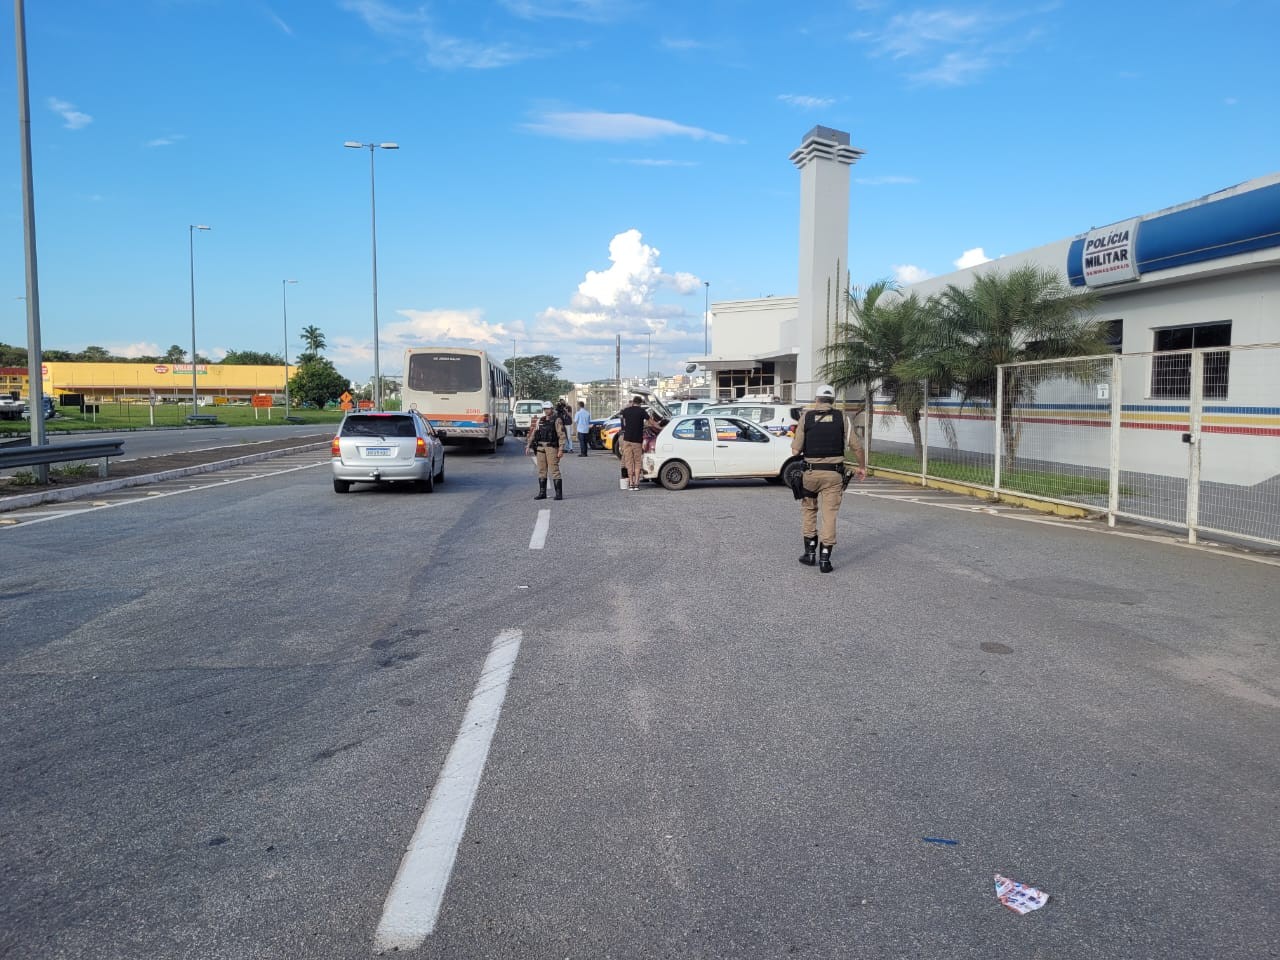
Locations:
1018 897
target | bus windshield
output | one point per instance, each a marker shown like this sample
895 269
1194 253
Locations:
443 373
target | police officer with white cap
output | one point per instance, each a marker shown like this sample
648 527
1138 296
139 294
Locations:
822 437
546 443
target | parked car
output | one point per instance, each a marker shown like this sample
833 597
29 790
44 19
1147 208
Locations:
704 447
50 411
680 408
525 412
777 417
382 447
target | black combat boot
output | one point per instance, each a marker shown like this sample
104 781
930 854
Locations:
559 489
542 490
824 558
810 548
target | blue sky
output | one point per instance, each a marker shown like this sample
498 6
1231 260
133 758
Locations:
573 169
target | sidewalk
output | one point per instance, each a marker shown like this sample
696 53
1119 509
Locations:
132 473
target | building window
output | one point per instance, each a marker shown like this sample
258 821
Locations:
1113 333
1171 376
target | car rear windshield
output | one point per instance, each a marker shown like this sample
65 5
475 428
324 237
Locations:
374 426
443 373
528 407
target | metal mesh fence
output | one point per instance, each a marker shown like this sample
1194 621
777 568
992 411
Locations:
1054 429
1184 438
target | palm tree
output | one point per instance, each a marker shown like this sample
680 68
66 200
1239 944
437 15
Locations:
880 346
313 339
1028 313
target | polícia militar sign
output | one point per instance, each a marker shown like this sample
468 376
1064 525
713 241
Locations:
1110 254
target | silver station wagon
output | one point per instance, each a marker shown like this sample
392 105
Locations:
390 447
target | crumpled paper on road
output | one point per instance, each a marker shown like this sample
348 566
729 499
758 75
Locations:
1018 897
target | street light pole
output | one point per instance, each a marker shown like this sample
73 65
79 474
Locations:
191 251
648 359
706 317
373 222
284 304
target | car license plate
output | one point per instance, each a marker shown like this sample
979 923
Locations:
377 451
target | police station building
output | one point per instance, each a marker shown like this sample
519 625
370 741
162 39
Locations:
1204 273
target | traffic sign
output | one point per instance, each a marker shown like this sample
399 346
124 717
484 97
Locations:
261 400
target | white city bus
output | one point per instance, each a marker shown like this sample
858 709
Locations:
462 392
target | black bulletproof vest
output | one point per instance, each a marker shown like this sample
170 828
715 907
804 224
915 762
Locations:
824 433
547 432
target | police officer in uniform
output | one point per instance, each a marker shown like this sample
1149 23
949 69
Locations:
822 436
546 443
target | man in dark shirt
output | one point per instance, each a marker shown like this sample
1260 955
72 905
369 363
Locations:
634 419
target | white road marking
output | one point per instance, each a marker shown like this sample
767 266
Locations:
539 538
413 904
45 518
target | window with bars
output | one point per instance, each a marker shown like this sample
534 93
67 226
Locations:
1171 375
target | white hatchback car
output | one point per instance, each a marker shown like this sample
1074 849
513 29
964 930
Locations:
392 446
704 447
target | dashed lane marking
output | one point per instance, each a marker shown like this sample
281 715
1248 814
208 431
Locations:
413 904
180 486
539 538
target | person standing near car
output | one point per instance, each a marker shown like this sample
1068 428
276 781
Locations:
634 420
582 426
546 443
566 419
822 436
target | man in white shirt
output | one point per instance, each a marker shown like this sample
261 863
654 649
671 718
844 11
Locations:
582 426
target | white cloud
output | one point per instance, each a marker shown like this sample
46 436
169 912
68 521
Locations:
681 43
804 102
971 258
949 47
73 119
592 11
166 141
1231 101
906 273
597 125
955 69
414 30
280 23
912 34
443 326
622 298
141 349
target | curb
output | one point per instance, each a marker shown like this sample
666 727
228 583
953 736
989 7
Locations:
83 490
985 493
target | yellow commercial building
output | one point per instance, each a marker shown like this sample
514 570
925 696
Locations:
162 382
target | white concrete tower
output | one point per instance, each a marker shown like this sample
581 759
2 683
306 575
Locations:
824 159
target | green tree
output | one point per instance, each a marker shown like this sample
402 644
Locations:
255 358
880 346
534 378
12 356
312 341
175 354
1028 313
317 381
93 354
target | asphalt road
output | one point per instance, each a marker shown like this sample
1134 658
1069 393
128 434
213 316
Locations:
226 709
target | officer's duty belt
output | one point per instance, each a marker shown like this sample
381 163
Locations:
836 467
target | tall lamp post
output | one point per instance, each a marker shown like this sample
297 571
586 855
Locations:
648 359
284 306
706 317
373 220
191 251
